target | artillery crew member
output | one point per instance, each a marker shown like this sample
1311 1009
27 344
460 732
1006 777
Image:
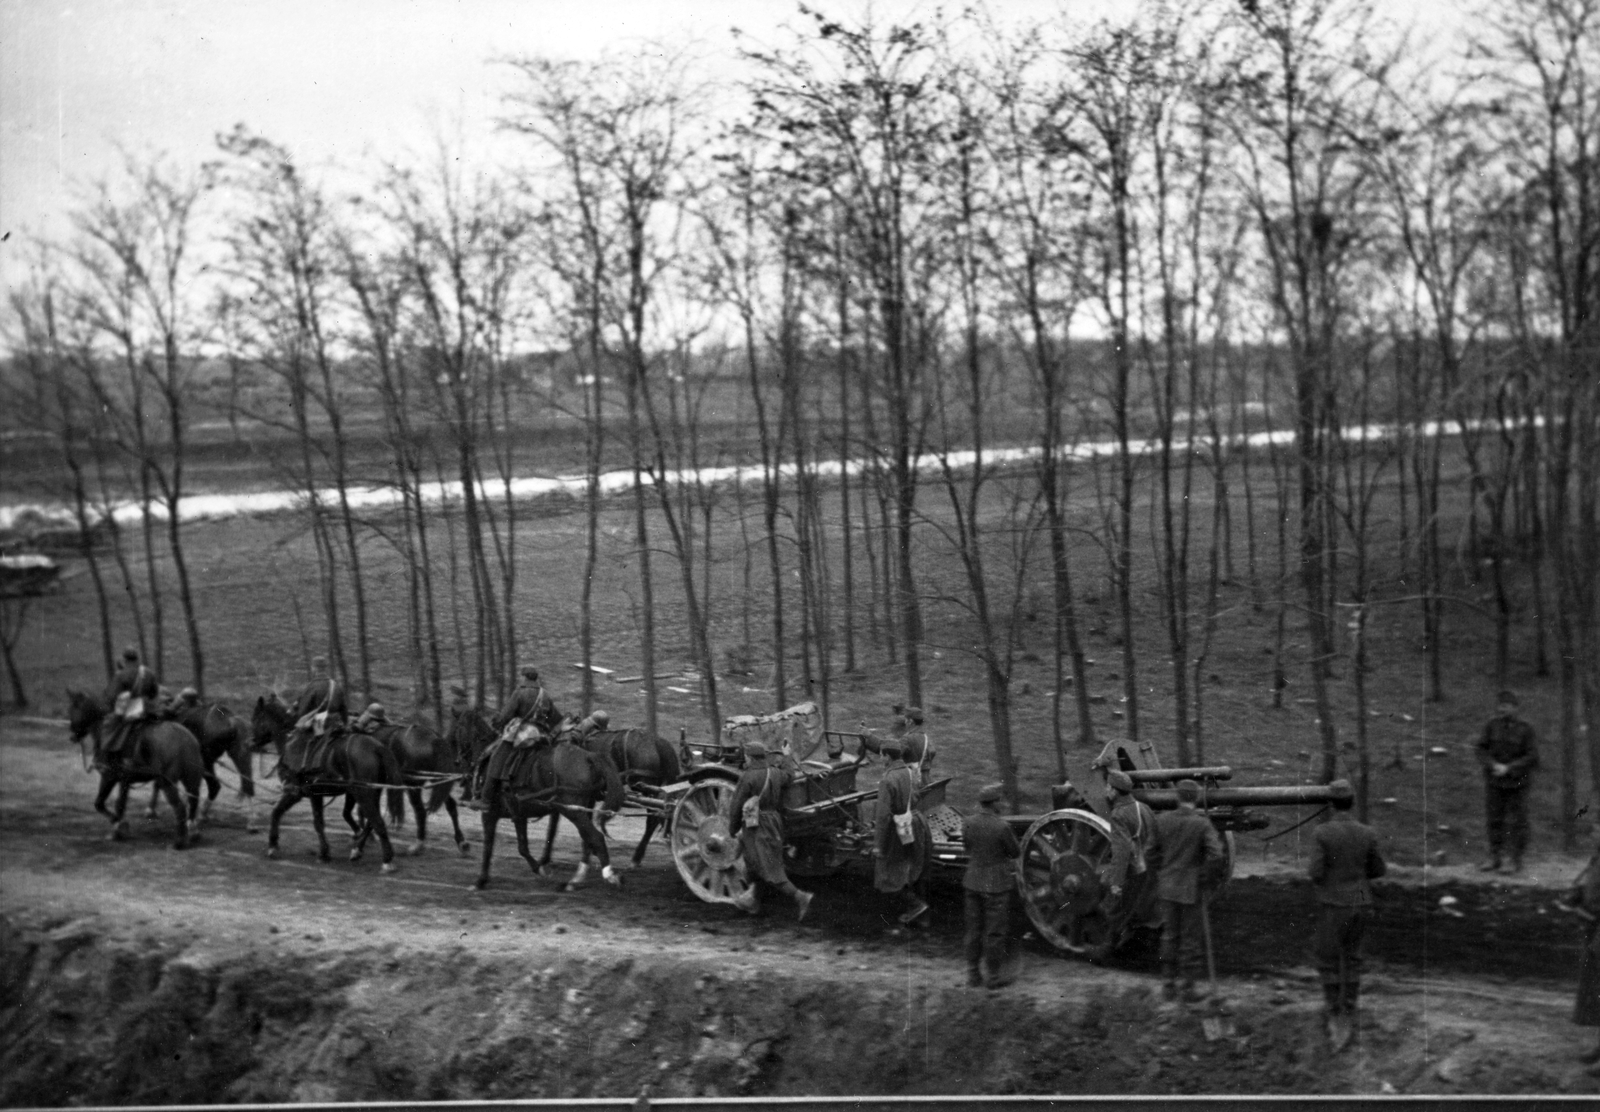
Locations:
990 877
1191 851
916 747
322 694
518 723
592 723
1344 861
899 864
755 817
1135 856
371 719
1509 753
134 689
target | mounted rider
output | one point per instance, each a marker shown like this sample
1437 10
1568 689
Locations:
526 722
370 720
321 703
132 696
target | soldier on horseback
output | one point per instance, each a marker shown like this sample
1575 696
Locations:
321 704
525 722
133 691
371 719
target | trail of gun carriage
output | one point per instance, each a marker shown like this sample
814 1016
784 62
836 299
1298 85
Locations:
925 633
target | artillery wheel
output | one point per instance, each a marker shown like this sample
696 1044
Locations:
708 858
1064 866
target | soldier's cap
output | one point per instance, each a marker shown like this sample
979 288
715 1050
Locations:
319 664
1188 790
755 749
913 715
1506 697
892 747
600 717
130 654
188 693
457 689
1120 781
991 793
897 708
530 673
375 709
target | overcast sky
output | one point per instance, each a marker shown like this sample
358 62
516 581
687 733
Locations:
334 80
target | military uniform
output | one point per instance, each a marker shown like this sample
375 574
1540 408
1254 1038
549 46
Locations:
987 884
1189 846
1510 742
528 703
134 691
763 843
1344 861
322 693
898 866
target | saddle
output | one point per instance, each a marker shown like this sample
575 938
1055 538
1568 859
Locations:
308 757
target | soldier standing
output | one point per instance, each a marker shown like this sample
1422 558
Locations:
1190 847
755 817
991 847
1344 862
898 864
1509 753
1135 856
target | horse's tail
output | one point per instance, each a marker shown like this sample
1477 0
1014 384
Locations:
396 801
614 790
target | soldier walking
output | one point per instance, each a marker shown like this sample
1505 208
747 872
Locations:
1344 862
1509 753
898 864
1191 850
755 817
990 877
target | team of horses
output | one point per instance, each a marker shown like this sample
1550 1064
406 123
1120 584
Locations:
580 779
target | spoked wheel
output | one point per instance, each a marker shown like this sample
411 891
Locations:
708 857
1066 883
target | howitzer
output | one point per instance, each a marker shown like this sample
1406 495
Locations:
1080 878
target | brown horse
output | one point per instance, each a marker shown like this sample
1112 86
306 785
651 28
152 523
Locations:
352 764
427 761
221 733
646 763
551 780
470 736
164 752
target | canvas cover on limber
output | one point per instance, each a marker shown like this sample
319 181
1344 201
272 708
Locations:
796 731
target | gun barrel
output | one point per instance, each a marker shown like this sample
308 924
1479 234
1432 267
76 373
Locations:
1282 795
1166 775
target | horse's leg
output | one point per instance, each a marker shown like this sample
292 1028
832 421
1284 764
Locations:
213 786
357 834
455 825
372 820
247 785
593 842
415 795
549 843
323 853
520 821
175 798
106 784
491 819
155 794
652 823
119 825
287 799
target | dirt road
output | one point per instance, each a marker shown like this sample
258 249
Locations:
137 974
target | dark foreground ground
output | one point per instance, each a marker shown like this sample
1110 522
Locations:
136 974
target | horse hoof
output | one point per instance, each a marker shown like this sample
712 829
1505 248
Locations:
355 855
478 885
272 852
416 850
464 847
387 867
121 830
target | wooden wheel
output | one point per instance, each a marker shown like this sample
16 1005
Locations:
1065 880
708 858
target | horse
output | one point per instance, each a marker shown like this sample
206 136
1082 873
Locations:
644 761
347 763
551 780
470 736
221 733
425 757
164 752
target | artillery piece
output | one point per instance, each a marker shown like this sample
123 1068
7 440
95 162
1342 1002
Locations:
1074 873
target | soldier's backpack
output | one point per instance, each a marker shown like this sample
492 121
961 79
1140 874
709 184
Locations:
750 813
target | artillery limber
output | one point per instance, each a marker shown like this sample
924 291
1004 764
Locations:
828 820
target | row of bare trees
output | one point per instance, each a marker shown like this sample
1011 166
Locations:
959 256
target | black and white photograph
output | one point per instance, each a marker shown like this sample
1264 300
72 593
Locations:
833 554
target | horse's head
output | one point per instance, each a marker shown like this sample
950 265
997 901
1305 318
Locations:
84 713
270 721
